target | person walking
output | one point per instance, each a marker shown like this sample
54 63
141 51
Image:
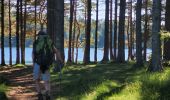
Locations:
43 55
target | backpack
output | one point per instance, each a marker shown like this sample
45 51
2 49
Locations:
43 52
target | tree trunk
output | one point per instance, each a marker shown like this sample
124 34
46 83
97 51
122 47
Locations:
110 33
156 64
35 19
115 32
86 58
106 34
2 34
167 27
96 33
128 36
74 30
121 36
139 58
77 40
131 32
17 34
10 42
70 31
55 23
22 34
145 30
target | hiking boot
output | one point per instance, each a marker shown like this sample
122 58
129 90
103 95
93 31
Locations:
47 96
40 96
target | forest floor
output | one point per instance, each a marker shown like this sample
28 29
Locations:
92 82
20 83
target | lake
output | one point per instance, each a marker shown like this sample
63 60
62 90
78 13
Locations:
28 54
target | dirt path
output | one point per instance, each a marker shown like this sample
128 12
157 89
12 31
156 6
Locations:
21 83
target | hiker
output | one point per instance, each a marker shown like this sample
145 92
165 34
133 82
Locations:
43 55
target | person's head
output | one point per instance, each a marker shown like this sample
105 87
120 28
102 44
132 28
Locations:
42 34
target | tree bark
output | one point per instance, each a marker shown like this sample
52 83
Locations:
106 34
70 31
121 36
22 34
17 34
74 29
2 34
110 33
96 33
10 42
115 32
145 30
86 58
156 64
167 27
35 19
55 23
139 58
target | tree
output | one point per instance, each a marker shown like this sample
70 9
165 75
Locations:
55 23
22 33
110 33
155 64
131 31
35 19
2 34
167 27
96 33
86 58
121 36
74 29
145 29
10 42
17 34
139 60
106 34
115 32
70 30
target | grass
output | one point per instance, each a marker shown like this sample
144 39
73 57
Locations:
3 88
111 82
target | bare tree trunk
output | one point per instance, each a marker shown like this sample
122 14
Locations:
96 33
35 19
22 34
156 64
115 32
167 27
77 40
121 36
106 34
74 30
131 33
70 31
139 58
145 30
86 58
17 34
128 37
10 42
2 34
110 33
55 23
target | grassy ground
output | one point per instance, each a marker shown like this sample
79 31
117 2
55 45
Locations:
111 82
3 88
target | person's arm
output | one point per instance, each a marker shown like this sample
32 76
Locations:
33 58
58 54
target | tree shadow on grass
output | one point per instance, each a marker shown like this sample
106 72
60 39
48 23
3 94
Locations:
155 91
82 80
